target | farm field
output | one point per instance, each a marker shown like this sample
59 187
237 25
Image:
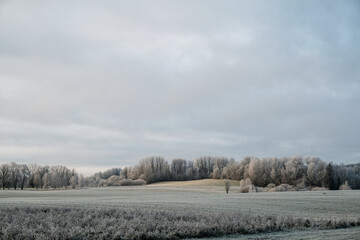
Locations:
205 198
332 234
208 198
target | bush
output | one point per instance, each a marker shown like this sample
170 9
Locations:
118 181
246 186
281 188
227 185
301 186
129 182
114 181
345 186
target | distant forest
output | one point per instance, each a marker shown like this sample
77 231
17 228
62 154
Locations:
295 171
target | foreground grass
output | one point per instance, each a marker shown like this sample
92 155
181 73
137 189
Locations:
70 223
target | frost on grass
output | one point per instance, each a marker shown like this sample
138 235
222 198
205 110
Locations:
70 223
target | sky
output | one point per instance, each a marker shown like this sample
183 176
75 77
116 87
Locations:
98 84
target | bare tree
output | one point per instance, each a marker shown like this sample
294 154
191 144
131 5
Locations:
37 178
14 174
178 169
73 181
202 165
24 175
124 173
5 175
46 180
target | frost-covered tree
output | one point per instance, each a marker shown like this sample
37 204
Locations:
14 174
55 179
216 173
294 170
202 165
24 175
219 164
124 173
178 169
255 172
73 181
5 175
315 171
46 180
81 181
153 169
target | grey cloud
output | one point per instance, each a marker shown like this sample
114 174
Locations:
92 84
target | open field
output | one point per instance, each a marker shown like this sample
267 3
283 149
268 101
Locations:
318 234
202 198
328 204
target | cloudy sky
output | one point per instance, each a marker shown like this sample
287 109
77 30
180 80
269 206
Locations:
100 84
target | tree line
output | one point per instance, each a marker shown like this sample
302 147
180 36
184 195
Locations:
13 175
296 171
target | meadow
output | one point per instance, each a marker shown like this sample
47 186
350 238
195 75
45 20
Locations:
184 210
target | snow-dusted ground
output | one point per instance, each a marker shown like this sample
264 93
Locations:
205 199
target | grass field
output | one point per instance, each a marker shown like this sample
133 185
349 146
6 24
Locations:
318 234
203 197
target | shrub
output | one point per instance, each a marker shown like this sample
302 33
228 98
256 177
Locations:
287 187
252 189
345 186
280 188
246 186
114 181
301 186
227 185
129 182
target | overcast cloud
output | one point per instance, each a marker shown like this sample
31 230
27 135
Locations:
100 84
